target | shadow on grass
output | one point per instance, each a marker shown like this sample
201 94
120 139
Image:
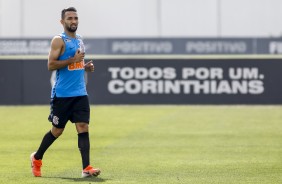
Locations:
89 179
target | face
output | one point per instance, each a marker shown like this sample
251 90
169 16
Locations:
70 22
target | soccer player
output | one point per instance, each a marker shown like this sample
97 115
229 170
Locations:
69 100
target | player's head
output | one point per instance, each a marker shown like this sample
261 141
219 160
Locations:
69 19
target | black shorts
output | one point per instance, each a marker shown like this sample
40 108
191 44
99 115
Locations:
63 109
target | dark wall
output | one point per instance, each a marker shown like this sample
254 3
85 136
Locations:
24 82
153 81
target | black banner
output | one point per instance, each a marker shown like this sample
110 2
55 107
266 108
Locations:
183 81
153 81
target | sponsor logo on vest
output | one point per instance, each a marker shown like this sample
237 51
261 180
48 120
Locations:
76 66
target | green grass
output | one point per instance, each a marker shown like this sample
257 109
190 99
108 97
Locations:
150 145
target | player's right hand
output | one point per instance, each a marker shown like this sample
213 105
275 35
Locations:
79 56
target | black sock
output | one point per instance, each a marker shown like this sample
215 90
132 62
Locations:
84 148
47 140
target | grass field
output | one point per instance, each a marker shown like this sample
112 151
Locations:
150 145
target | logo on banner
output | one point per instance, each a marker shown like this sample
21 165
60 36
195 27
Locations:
216 47
201 80
275 47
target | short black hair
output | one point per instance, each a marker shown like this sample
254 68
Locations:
66 10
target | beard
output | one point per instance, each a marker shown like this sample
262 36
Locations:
71 28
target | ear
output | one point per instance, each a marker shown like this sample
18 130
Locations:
62 22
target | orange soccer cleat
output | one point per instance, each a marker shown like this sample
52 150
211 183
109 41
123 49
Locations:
90 171
35 166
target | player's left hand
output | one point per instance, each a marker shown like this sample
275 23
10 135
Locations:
89 66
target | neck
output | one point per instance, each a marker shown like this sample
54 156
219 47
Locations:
71 34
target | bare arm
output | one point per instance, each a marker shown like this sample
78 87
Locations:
57 48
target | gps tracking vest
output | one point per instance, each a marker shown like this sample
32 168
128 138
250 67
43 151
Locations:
70 79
